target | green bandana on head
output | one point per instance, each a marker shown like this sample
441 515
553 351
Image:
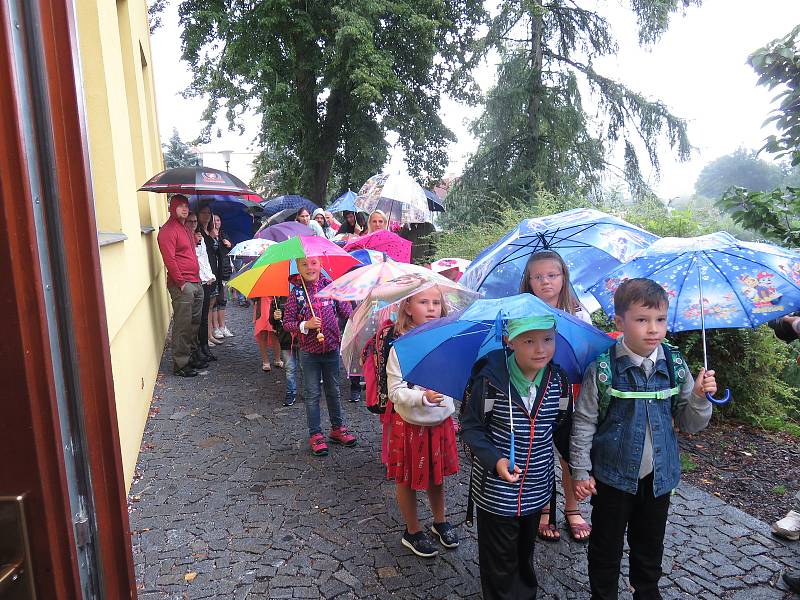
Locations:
536 322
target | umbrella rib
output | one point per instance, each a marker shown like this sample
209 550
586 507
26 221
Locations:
680 289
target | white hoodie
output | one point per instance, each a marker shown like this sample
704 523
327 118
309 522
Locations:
410 403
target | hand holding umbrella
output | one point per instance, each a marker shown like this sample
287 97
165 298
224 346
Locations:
315 322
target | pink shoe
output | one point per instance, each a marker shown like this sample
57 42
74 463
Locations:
318 445
340 435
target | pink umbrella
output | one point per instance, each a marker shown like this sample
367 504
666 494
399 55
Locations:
383 241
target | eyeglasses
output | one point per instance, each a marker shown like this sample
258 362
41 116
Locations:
548 276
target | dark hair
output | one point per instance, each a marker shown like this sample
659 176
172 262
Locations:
203 230
566 300
360 220
639 291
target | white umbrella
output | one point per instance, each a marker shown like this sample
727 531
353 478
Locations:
399 196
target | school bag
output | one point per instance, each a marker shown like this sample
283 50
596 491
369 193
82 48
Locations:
676 367
373 358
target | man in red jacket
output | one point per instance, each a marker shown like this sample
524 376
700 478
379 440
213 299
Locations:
176 244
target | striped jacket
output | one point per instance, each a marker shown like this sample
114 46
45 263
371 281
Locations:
485 424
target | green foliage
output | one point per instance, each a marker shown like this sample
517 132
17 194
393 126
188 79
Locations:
534 132
742 169
687 464
330 79
780 490
775 214
177 153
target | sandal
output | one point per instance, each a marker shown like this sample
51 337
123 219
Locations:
278 363
579 532
266 367
548 531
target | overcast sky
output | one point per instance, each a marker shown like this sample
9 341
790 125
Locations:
698 69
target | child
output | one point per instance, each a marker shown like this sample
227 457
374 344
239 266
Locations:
546 276
419 436
264 332
288 349
509 500
623 448
315 322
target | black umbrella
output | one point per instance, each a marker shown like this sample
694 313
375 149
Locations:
196 180
435 203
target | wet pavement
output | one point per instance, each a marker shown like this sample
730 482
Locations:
228 502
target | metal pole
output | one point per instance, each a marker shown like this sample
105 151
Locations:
702 312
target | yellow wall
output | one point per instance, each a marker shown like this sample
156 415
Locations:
124 151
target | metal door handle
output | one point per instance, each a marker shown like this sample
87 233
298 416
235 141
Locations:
10 574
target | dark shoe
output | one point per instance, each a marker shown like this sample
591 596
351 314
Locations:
198 363
446 533
186 371
355 397
289 401
207 355
792 579
420 544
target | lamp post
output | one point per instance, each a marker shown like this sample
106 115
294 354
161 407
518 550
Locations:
226 156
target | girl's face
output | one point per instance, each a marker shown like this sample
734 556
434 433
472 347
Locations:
320 219
308 268
217 222
303 217
376 222
351 218
546 280
204 215
425 306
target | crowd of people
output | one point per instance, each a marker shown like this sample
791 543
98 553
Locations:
613 431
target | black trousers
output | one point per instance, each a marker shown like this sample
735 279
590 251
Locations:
645 518
505 554
202 332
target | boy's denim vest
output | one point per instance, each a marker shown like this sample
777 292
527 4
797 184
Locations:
619 441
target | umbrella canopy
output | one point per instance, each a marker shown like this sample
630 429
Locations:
591 242
287 214
386 295
196 180
269 275
452 268
284 231
440 354
369 257
250 249
384 241
279 203
236 213
435 203
399 196
346 201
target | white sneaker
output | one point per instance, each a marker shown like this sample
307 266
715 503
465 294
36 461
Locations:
226 331
788 527
218 333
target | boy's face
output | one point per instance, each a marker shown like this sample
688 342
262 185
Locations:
308 268
534 349
644 328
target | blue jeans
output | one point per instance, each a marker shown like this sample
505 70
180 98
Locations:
325 366
289 358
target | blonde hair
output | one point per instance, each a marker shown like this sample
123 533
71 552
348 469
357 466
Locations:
404 324
369 220
566 299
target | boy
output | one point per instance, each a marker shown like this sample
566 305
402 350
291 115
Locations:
623 449
510 501
319 338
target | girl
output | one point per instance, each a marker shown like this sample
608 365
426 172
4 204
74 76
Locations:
224 268
354 223
377 221
304 217
265 334
419 436
546 276
205 222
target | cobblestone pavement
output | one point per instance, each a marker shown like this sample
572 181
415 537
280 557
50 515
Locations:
229 503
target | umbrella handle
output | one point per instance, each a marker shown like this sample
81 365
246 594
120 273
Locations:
724 400
511 455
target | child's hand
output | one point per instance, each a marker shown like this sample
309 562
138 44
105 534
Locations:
226 243
433 397
314 323
584 488
705 382
502 470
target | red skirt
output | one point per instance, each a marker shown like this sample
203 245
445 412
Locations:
416 455
261 323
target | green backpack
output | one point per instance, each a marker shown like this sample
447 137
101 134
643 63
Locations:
676 365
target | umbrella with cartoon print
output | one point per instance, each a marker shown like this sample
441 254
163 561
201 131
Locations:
713 281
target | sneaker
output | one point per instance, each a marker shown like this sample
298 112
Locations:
355 397
266 367
340 435
218 333
788 527
446 533
226 332
318 445
419 543
289 401
186 371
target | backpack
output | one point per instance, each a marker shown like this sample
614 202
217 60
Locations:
676 366
374 357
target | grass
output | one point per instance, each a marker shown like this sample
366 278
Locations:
687 464
772 423
779 489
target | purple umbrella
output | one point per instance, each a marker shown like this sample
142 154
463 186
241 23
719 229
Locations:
283 231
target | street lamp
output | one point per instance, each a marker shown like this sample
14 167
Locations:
226 156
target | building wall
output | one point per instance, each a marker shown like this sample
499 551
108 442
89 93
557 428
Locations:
124 151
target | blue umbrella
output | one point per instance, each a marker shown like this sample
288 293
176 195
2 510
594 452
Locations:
236 214
741 284
591 242
279 203
435 204
344 202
